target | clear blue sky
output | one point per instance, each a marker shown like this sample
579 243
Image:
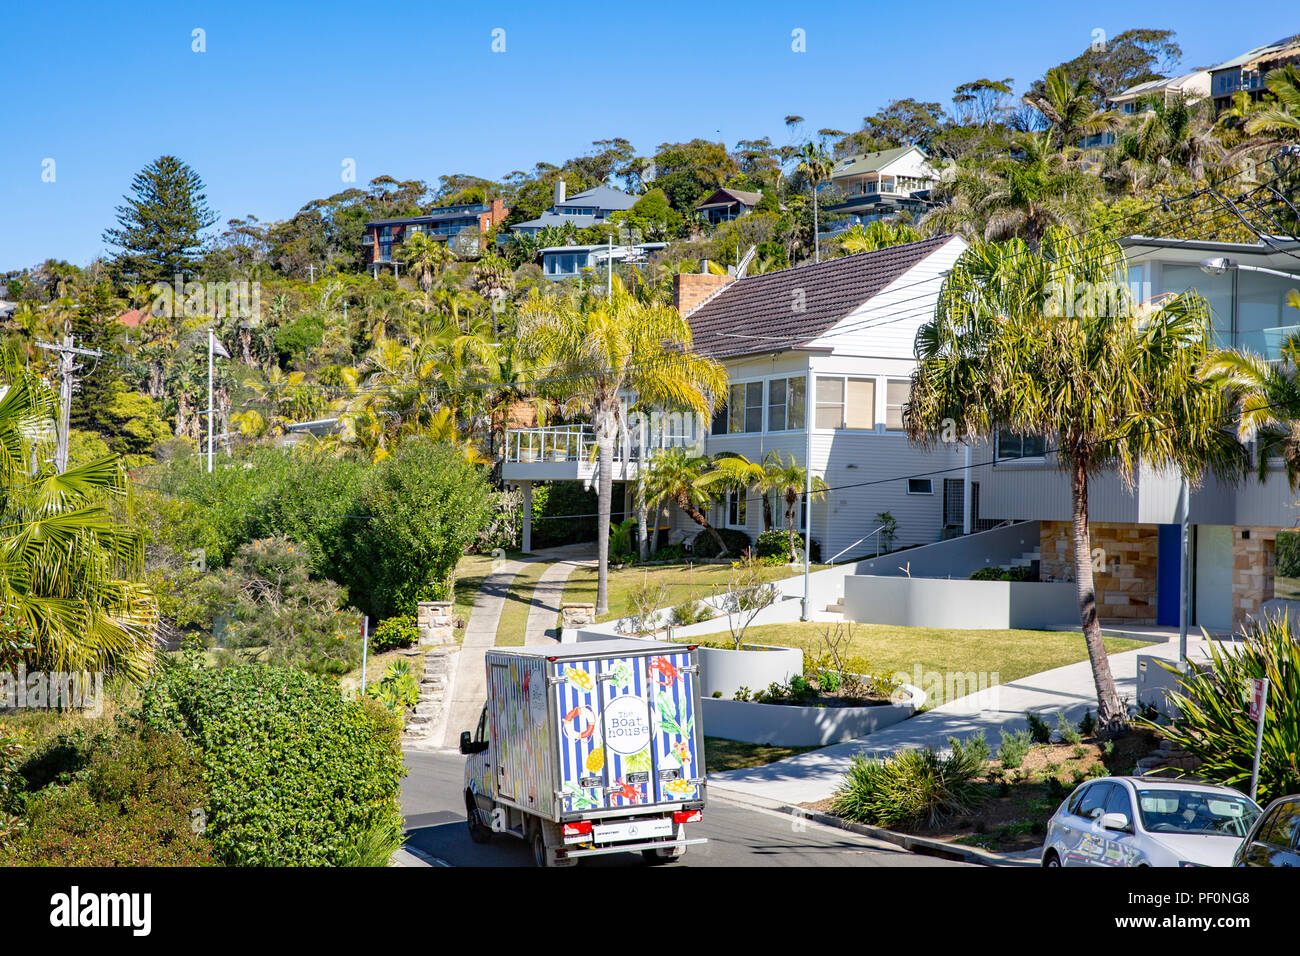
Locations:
286 91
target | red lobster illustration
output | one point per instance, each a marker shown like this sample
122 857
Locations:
666 675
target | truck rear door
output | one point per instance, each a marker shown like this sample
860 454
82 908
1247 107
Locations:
627 731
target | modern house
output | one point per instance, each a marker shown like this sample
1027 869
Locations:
723 205
1136 524
1191 87
828 346
883 183
1248 71
464 227
569 262
587 208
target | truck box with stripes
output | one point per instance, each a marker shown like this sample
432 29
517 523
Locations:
589 748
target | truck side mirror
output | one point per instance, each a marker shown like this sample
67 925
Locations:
466 743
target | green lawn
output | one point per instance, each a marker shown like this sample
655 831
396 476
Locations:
682 582
470 572
1010 655
721 754
514 616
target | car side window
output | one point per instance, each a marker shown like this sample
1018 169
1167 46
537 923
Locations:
1093 804
1077 800
1282 826
1119 802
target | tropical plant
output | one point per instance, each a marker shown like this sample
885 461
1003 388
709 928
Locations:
586 351
789 480
1051 343
1211 721
1279 122
877 234
816 163
676 475
425 258
68 567
913 788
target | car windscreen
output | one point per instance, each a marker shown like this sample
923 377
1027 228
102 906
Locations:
1195 811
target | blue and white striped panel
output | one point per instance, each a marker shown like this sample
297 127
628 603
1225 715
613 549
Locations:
673 711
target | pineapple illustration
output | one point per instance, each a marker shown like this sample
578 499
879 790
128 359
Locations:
596 760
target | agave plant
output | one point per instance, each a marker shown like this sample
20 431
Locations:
67 565
1212 721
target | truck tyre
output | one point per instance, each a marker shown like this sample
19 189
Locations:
479 832
541 856
660 857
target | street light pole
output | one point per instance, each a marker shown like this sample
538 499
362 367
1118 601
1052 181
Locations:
1184 570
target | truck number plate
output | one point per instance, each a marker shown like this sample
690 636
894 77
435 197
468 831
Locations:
633 830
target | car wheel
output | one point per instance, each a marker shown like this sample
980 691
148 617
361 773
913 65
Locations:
540 855
478 831
1051 859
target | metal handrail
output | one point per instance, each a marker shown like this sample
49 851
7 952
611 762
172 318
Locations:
859 541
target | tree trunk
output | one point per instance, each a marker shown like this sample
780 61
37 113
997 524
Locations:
604 498
696 515
790 505
642 531
767 512
1110 711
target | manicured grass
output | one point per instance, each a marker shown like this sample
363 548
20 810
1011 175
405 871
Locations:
514 616
682 581
721 754
1001 655
470 572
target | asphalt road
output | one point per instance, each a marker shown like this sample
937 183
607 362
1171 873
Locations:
434 809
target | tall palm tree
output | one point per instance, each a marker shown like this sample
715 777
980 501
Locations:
1068 106
1109 383
425 258
677 476
815 163
67 565
789 479
586 351
1266 395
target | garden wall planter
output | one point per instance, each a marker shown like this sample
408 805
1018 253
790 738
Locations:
970 605
789 726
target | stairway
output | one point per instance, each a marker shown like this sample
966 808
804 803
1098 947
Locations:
422 725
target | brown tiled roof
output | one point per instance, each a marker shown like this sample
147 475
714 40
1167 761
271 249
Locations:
759 314
736 195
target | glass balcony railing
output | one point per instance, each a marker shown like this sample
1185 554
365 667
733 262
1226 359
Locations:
577 443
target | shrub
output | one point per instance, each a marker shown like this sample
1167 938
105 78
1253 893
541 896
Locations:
411 520
772 544
1018 573
1039 730
138 801
1212 721
1014 748
297 773
395 632
1088 726
398 689
987 574
690 612
704 546
912 788
1069 734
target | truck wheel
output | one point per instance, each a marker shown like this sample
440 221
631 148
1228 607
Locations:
540 854
660 857
478 831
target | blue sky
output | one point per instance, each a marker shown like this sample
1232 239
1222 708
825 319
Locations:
285 92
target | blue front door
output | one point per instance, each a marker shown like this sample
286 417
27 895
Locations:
1168 574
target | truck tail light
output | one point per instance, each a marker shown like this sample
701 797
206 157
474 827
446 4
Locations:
687 816
581 828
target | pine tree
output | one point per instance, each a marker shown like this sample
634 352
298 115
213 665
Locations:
159 223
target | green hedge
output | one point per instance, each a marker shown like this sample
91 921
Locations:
394 632
705 547
298 776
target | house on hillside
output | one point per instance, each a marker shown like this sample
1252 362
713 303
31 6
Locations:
880 184
570 262
723 205
1249 70
1137 525
1191 87
584 209
819 360
464 228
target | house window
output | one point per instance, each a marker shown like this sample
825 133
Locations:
778 512
846 403
736 509
897 392
745 408
1012 446
785 404
920 486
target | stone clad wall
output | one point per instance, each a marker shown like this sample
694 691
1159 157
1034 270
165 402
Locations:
1126 589
1254 558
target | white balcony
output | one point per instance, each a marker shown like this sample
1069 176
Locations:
558 452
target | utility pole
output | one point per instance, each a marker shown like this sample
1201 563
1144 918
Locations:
214 348
67 373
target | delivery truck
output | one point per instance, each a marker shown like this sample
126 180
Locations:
586 749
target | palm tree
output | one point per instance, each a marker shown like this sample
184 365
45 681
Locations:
1068 106
1266 395
676 476
425 258
816 163
877 234
733 472
586 351
788 479
1107 382
66 562
1279 122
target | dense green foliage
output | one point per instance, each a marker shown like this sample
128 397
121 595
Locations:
914 787
705 544
1212 723
297 775
394 632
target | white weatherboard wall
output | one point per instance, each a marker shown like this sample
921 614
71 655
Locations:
971 605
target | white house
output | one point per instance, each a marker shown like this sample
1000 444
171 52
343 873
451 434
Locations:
840 332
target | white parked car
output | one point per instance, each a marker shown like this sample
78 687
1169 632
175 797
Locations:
1148 821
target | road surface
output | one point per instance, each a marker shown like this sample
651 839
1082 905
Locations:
434 808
